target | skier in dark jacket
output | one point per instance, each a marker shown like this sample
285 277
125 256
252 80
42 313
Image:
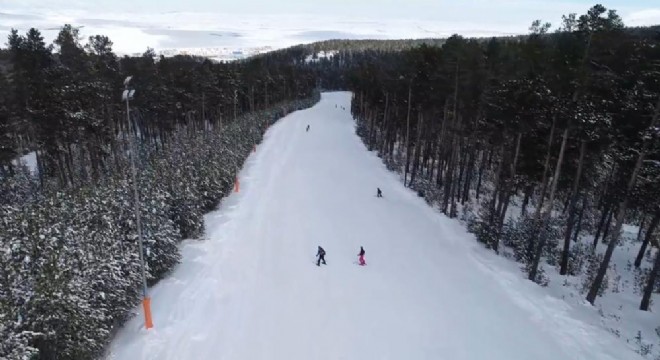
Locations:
361 257
379 193
307 128
321 255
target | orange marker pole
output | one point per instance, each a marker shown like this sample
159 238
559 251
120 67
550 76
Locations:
146 304
237 185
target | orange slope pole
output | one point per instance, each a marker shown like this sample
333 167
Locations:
146 303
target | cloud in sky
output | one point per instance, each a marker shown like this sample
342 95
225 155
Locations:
644 17
135 24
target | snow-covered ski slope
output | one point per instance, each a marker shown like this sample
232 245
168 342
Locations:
252 290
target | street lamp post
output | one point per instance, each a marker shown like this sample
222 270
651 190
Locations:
127 95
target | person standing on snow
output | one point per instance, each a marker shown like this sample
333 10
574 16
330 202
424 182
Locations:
321 255
361 257
379 193
307 127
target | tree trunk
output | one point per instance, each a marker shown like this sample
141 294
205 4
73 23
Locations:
623 206
650 283
544 181
481 171
68 157
461 168
502 217
496 190
372 124
428 149
40 166
266 94
448 183
601 223
251 98
204 110
647 238
548 213
500 201
571 211
442 152
418 145
507 193
578 228
235 103
455 184
405 176
383 142
567 202
608 225
434 160
456 128
604 198
640 232
468 175
528 193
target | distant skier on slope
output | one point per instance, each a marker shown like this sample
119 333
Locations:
321 255
307 127
361 257
378 192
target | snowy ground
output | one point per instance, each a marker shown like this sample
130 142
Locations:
618 309
29 160
251 289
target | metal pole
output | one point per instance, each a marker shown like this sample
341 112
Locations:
138 221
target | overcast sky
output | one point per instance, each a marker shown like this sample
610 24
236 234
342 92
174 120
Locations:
135 24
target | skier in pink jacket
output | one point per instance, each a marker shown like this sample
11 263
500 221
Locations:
361 257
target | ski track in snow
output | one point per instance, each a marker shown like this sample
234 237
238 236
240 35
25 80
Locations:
252 290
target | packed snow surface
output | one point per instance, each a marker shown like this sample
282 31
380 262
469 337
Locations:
251 289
